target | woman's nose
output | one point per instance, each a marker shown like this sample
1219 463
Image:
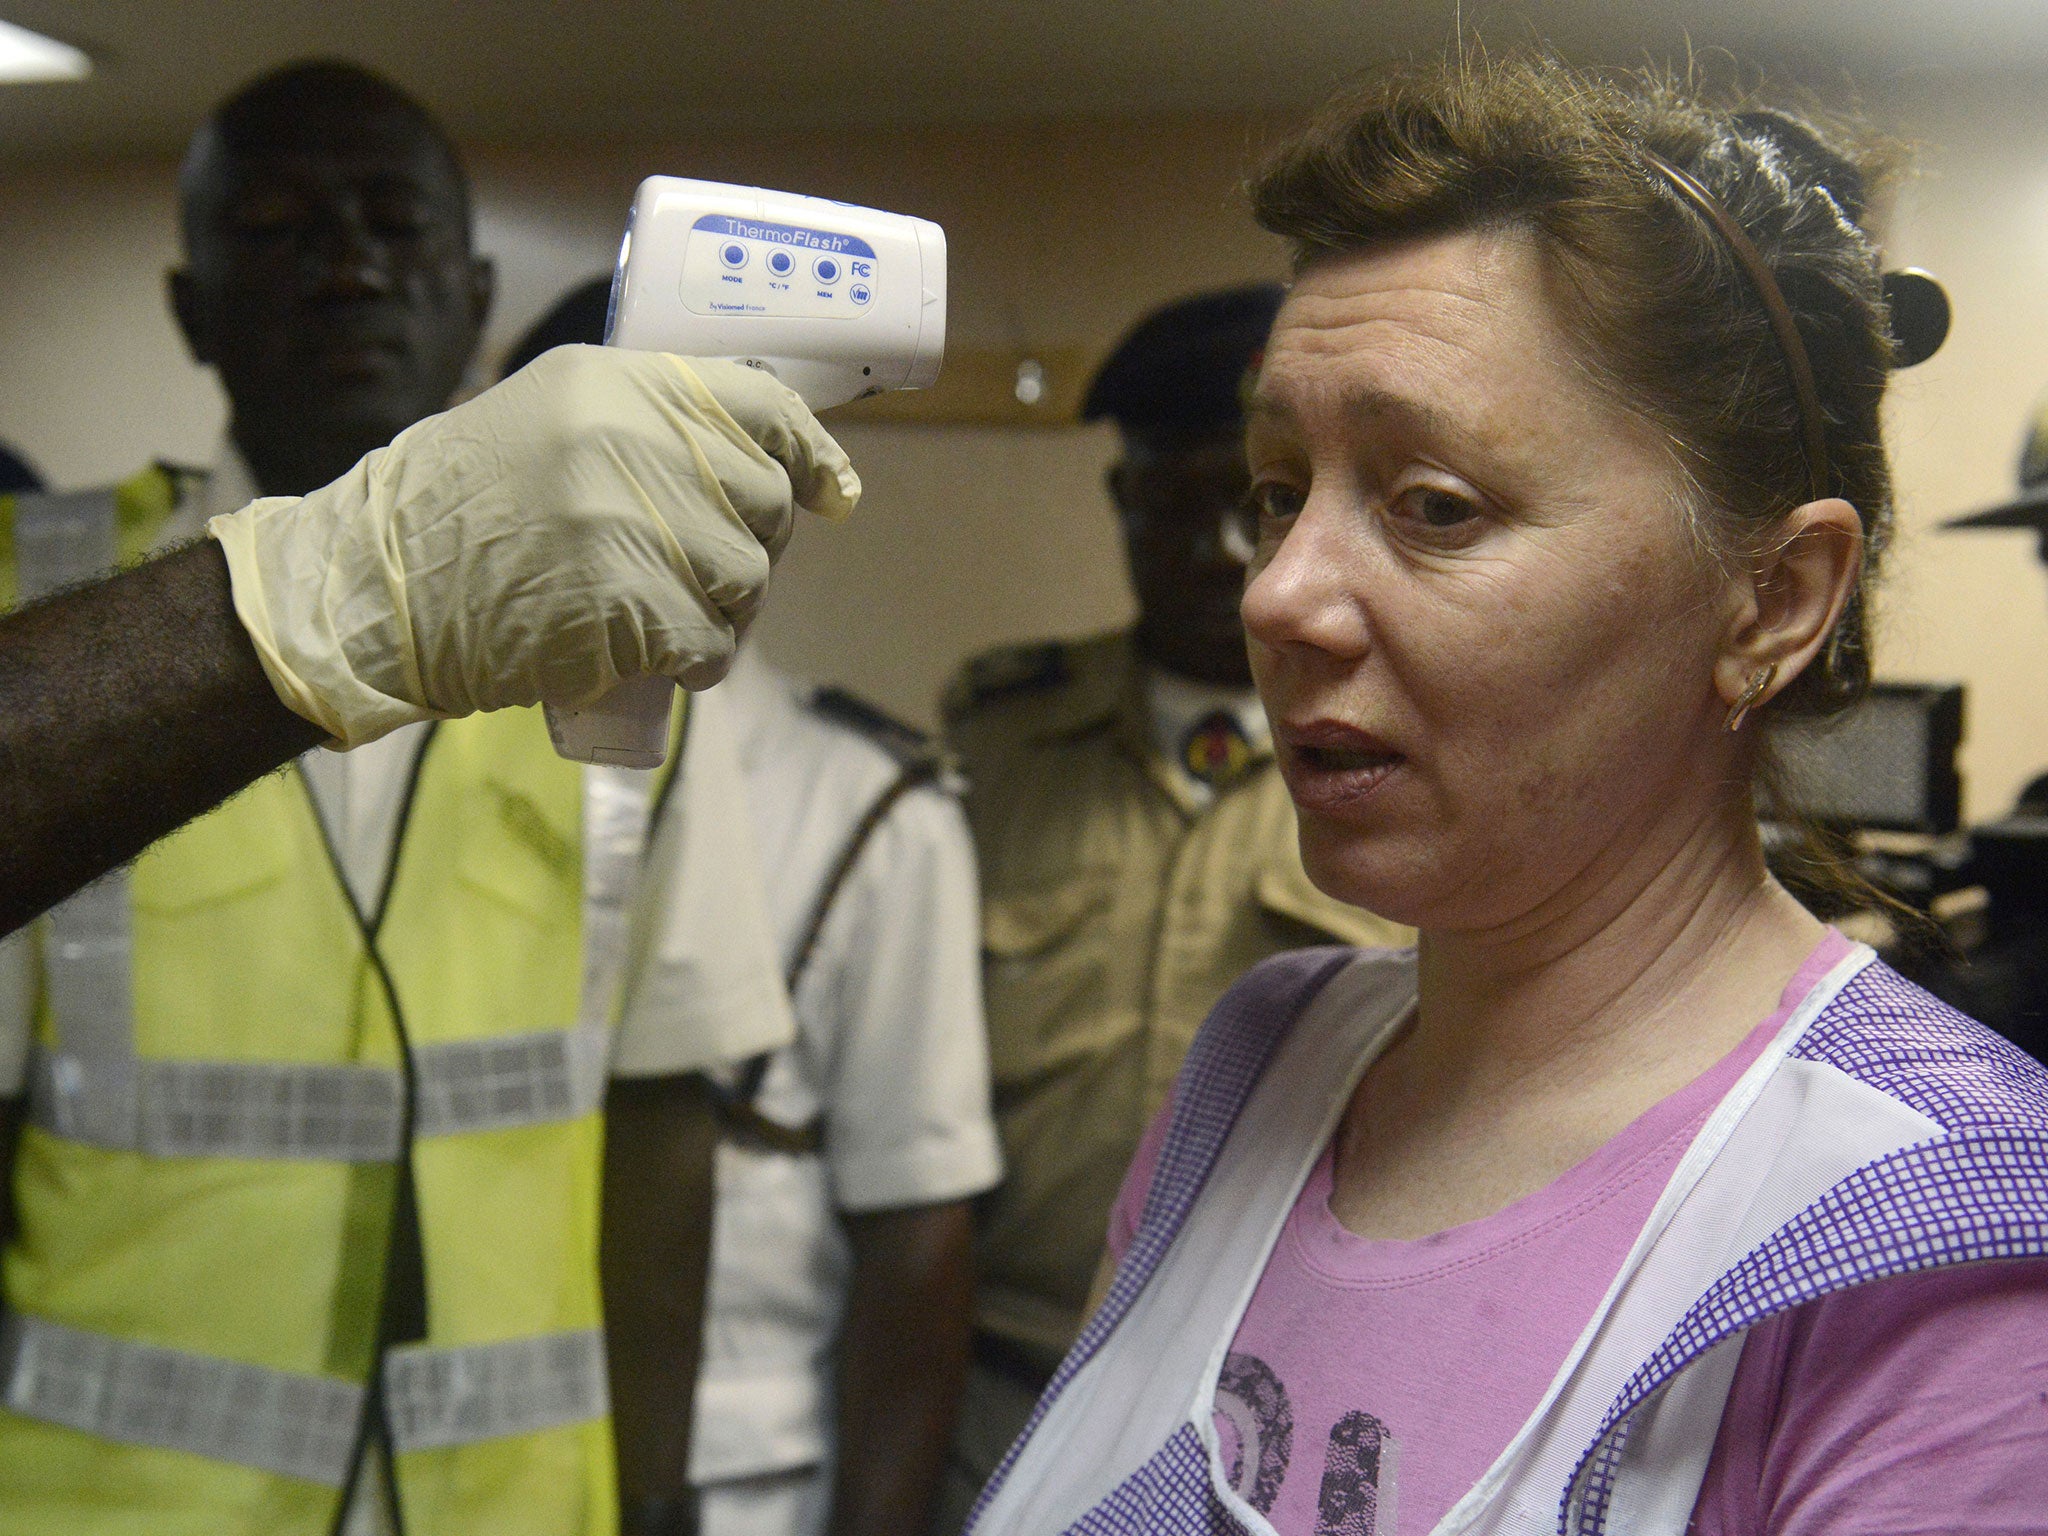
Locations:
1308 594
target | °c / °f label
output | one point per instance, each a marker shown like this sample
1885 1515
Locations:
740 266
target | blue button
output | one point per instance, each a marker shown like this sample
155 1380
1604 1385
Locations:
859 293
827 269
780 262
733 255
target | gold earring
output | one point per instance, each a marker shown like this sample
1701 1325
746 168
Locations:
1758 686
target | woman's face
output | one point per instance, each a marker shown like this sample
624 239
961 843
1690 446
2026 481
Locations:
1480 621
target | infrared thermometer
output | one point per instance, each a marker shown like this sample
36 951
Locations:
837 301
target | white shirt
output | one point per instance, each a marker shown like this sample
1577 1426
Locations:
707 987
891 1050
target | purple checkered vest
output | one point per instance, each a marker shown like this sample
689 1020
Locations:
1921 1139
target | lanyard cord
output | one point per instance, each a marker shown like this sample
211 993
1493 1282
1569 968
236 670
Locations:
400 1317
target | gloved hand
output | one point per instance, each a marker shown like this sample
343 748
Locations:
601 514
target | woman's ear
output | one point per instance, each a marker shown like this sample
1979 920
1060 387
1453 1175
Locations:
1790 599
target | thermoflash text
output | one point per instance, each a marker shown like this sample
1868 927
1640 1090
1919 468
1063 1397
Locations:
836 301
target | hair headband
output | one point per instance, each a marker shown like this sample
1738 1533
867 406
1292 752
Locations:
1782 324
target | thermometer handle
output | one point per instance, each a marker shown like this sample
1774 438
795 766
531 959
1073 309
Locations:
627 728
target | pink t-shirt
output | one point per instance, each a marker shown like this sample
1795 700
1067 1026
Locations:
1371 1383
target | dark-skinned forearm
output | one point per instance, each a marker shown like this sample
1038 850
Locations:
126 708
902 1360
660 1137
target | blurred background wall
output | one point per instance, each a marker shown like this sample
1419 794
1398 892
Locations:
1063 229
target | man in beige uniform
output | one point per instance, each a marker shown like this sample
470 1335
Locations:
1137 851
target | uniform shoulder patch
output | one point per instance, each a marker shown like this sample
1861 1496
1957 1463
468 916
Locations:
905 743
1011 670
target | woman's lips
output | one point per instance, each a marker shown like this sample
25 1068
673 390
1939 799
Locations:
1332 767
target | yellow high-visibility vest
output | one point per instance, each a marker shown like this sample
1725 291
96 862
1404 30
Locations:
229 1066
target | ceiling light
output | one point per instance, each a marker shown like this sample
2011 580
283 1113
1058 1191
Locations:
26 55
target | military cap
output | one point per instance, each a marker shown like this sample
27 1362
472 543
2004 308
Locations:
1182 368
2029 509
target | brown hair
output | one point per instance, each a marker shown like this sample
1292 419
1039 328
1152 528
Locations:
1669 323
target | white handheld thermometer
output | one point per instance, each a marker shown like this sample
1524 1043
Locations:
836 301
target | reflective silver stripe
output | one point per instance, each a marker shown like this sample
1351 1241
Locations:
91 1087
617 803
140 1394
509 1080
62 538
435 1398
321 1113
88 1092
270 1110
232 1109
88 960
318 1113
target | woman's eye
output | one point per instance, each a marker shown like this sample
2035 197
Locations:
1274 502
1436 508
1265 515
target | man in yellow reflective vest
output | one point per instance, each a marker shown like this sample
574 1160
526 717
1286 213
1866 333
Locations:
318 1111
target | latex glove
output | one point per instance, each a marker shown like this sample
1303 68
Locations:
601 514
